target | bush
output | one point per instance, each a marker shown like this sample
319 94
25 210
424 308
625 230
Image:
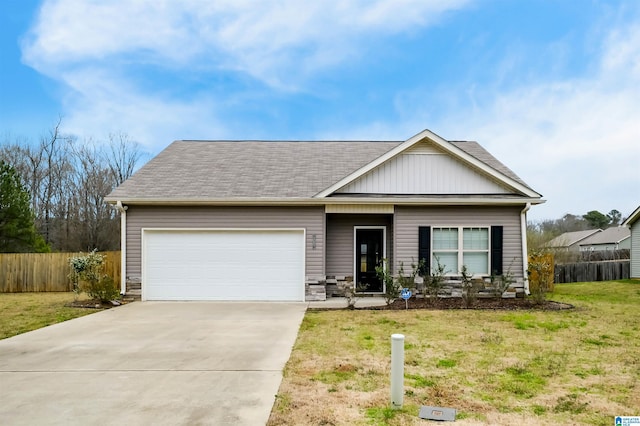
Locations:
409 281
86 275
500 284
103 289
470 288
435 280
391 287
540 274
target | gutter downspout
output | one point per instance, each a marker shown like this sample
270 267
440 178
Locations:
123 247
525 252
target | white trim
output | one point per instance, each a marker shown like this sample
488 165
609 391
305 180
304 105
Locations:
447 147
525 250
460 250
632 218
428 200
359 208
143 231
384 254
123 247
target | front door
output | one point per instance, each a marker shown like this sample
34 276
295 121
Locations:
369 254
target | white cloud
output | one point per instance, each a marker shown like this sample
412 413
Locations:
99 105
92 48
574 140
262 39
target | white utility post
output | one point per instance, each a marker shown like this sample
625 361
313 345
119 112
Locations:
397 370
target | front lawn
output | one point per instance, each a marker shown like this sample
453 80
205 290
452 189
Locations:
579 366
22 312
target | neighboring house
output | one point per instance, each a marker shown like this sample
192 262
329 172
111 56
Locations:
267 220
633 223
615 238
570 241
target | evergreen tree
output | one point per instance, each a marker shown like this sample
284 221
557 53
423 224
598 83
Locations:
596 219
17 230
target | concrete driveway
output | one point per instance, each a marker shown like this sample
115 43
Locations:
170 363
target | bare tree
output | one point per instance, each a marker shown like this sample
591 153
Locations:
93 183
122 157
67 181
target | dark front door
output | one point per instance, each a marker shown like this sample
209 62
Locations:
369 254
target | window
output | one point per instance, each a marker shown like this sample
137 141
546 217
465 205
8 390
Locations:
457 246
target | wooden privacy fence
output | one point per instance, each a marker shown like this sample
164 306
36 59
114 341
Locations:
592 271
32 272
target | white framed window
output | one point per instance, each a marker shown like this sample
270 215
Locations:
453 247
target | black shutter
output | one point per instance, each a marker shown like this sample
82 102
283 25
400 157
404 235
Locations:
496 250
424 248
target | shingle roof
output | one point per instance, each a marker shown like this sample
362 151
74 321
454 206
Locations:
570 238
201 170
608 236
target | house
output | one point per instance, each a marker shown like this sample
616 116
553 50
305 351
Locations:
570 241
633 223
611 239
271 220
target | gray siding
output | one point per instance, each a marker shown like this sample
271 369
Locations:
408 219
424 174
310 218
340 239
635 250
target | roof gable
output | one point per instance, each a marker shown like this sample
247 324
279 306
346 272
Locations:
426 143
633 218
612 235
570 238
424 168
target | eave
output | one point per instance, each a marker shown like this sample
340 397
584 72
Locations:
633 217
417 201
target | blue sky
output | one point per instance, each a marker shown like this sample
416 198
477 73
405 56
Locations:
551 88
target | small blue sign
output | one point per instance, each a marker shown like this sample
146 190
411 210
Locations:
405 293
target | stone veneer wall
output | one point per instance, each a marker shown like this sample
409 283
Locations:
334 286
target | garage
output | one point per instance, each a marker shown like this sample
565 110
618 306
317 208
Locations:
223 264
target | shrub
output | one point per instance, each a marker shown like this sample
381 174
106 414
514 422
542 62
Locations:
540 274
409 281
86 275
391 287
500 284
435 280
103 289
350 295
470 287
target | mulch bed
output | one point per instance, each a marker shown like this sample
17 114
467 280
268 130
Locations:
480 304
94 304
413 303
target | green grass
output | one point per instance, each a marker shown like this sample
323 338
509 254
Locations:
579 366
22 312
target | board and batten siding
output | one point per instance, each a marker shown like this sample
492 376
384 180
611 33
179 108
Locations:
409 219
635 249
340 229
309 218
424 170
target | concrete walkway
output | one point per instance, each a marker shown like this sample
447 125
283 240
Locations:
160 363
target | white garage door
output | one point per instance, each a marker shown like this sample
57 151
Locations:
223 265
